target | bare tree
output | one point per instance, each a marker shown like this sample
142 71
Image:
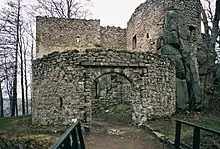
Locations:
207 54
10 35
7 65
211 19
64 8
25 81
17 24
26 46
21 46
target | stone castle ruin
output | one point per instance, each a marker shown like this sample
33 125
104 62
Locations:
83 68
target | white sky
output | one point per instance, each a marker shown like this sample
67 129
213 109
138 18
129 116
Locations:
114 12
111 12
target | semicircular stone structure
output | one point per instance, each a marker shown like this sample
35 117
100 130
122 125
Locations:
62 84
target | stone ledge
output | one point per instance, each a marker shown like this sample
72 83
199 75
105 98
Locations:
161 137
108 64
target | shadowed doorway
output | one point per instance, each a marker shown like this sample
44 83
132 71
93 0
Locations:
111 99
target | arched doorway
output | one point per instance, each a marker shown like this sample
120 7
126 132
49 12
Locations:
112 96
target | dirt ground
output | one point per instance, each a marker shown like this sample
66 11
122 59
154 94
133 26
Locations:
115 137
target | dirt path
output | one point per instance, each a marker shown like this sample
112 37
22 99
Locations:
121 138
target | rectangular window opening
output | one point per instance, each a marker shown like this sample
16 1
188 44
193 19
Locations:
134 42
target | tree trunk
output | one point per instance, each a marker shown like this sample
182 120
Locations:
32 58
1 102
13 99
25 80
15 104
22 81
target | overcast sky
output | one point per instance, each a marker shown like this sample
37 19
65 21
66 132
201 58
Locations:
111 12
114 12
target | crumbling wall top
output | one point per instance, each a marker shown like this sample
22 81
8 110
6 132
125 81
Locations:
45 19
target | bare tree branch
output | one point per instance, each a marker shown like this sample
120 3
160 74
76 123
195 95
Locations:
64 8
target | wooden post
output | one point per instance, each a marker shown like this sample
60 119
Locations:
177 135
196 138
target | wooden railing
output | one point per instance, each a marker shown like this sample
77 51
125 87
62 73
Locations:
196 133
71 139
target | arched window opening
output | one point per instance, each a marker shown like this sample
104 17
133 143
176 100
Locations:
192 31
134 42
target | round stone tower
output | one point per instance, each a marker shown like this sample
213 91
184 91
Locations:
146 24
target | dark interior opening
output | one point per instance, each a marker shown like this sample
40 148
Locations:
134 42
192 31
191 28
61 102
148 36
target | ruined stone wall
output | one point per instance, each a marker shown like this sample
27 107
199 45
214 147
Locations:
113 37
57 89
62 84
147 22
56 34
146 25
192 13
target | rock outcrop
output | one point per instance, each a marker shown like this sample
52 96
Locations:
179 43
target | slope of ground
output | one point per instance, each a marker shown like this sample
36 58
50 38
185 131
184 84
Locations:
18 130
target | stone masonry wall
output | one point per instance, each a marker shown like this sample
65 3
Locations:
147 22
62 84
113 37
56 34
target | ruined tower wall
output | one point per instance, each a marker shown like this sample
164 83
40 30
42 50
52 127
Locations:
55 34
144 27
113 37
147 22
192 13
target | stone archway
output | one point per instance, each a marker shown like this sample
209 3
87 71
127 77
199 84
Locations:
112 96
138 114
